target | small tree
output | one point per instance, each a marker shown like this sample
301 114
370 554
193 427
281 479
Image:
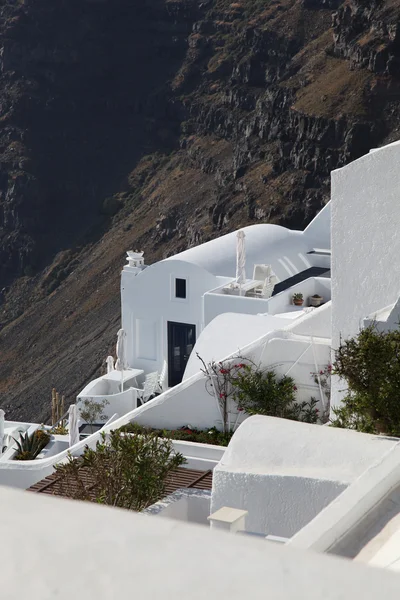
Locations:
128 471
92 410
370 365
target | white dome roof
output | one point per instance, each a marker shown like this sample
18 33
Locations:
284 249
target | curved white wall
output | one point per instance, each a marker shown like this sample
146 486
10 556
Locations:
227 335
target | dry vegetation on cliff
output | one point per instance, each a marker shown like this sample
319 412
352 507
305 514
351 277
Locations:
159 124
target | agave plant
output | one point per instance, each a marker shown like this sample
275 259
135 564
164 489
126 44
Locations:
29 446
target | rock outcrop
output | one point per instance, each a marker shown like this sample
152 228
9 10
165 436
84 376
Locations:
160 124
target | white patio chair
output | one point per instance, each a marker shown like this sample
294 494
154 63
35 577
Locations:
261 272
267 289
149 388
162 380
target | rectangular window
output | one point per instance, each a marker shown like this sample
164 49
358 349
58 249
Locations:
180 288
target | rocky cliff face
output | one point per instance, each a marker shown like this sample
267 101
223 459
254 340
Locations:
159 124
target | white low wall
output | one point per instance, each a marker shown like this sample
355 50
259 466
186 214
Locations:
57 444
313 285
199 456
317 323
276 504
100 387
186 404
121 403
189 505
298 358
284 473
216 304
328 530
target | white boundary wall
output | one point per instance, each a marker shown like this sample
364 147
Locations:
365 241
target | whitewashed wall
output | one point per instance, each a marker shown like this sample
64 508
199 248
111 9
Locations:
119 404
276 504
227 335
319 230
284 473
317 323
365 240
148 302
217 303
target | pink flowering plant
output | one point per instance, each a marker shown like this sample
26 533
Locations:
220 384
242 384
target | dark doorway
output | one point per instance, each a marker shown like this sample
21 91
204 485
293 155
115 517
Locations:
181 339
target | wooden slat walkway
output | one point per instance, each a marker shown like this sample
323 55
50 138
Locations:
180 478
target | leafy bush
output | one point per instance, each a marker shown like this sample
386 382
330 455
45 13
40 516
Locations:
263 393
370 364
186 434
61 429
126 471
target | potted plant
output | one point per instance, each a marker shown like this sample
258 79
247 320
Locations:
298 299
316 300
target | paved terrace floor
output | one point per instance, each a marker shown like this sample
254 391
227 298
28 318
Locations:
180 478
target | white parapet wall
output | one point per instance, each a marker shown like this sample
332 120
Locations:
189 505
284 473
109 553
118 403
346 520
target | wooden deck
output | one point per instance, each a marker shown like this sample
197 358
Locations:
180 478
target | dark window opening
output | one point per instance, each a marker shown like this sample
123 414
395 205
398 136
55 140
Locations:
180 288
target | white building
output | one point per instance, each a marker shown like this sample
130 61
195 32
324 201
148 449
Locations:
166 306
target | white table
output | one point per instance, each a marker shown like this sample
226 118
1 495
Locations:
250 284
123 376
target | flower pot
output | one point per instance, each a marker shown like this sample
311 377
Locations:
316 300
298 302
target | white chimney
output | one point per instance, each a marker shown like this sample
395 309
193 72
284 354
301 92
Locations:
229 519
135 261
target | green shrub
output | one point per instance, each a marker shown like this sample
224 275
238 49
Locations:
264 393
126 471
370 365
186 434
